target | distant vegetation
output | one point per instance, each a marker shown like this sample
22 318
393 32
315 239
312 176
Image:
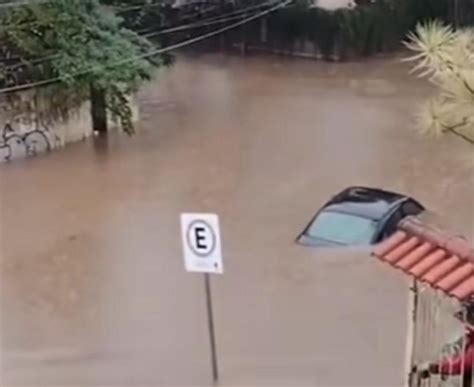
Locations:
371 27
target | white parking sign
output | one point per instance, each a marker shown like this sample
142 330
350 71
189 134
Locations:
201 243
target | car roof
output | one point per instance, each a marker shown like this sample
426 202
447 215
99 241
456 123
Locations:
367 202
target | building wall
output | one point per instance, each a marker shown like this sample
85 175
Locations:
437 332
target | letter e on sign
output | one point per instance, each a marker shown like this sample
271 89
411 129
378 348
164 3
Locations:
201 243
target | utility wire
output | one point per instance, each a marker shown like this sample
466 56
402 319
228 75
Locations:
206 22
21 3
243 10
190 26
267 3
226 15
250 8
135 7
23 62
152 53
144 33
139 7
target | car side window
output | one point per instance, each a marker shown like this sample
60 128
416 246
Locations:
392 223
410 208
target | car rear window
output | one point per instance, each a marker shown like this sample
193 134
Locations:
342 228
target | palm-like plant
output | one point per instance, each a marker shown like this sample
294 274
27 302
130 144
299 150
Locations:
446 57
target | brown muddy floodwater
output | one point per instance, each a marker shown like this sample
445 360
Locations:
94 291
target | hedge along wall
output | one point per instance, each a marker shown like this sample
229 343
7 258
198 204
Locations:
372 27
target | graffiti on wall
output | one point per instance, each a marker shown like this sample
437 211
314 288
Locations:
17 144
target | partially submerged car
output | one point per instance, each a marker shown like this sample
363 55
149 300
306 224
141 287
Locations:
358 216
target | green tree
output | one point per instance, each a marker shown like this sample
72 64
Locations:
137 14
84 47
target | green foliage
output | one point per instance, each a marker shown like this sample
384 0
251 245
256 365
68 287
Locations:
137 14
84 44
424 10
324 30
368 29
291 20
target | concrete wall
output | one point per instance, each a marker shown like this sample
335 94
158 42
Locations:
26 134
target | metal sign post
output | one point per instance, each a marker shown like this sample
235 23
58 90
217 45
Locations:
210 322
202 254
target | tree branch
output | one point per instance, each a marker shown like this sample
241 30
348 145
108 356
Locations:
461 135
452 130
451 67
469 88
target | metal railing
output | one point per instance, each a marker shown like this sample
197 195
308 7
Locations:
439 341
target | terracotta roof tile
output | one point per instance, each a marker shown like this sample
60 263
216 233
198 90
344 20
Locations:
431 255
415 256
401 250
464 290
427 263
456 244
456 277
442 269
388 244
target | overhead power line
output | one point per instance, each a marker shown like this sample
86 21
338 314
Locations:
135 7
139 7
206 22
265 4
225 15
151 53
250 8
190 26
24 61
143 6
210 21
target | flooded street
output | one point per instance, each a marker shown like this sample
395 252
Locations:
94 291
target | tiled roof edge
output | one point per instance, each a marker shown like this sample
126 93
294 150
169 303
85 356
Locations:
454 244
